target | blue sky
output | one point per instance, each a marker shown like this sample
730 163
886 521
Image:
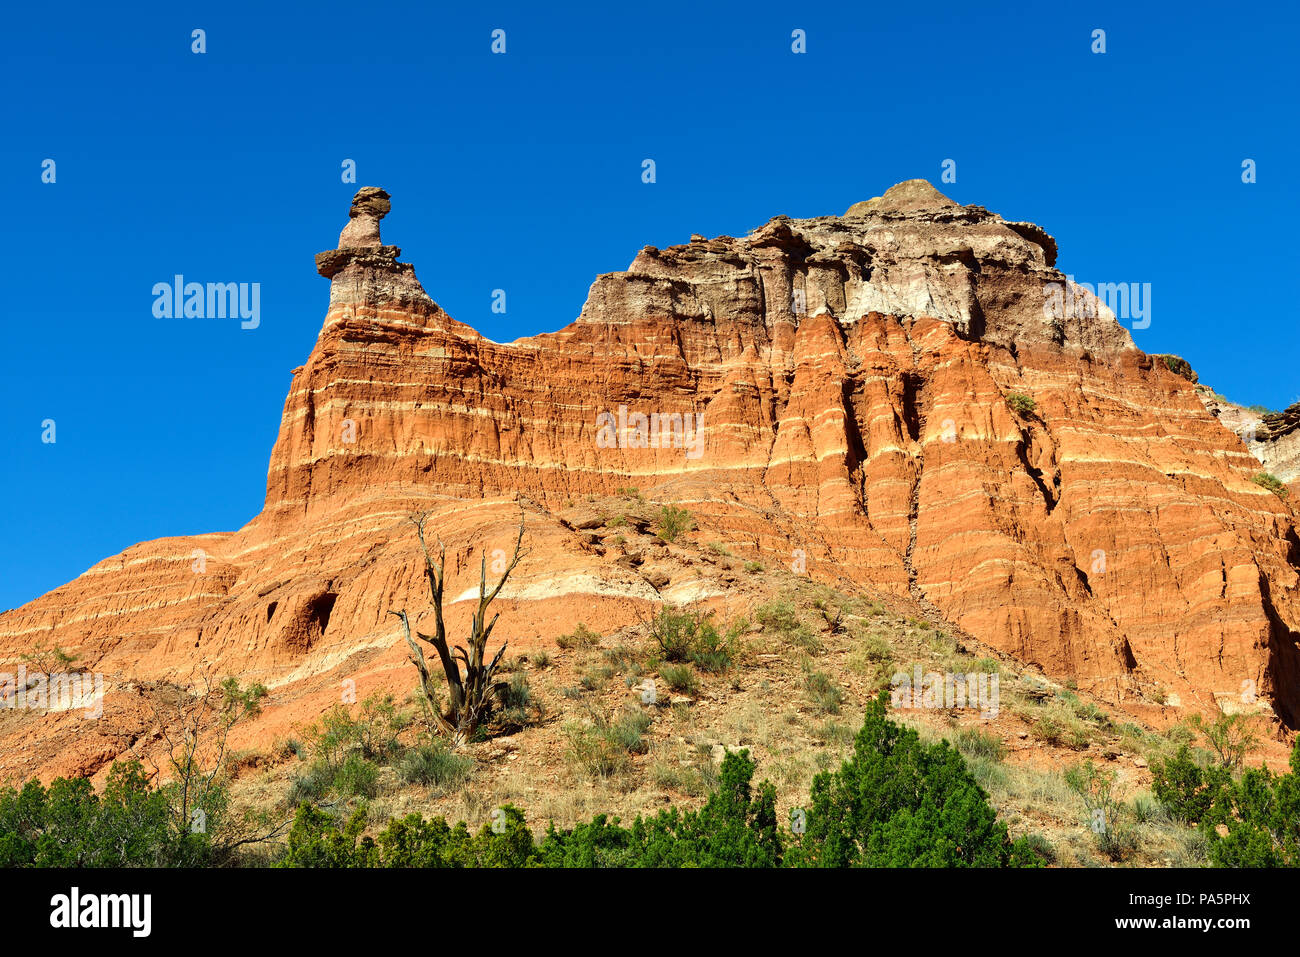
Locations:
522 172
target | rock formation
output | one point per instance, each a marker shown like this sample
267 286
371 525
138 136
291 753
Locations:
1273 438
852 378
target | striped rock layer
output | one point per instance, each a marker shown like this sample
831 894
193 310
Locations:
849 377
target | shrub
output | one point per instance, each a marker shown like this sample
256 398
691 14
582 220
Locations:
873 657
594 752
1060 727
683 636
580 637
629 729
1185 789
778 616
434 764
357 776
1039 847
715 651
1147 810
310 786
679 678
595 679
624 657
900 803
975 743
674 522
603 747
822 691
347 751
1107 818
1271 482
516 706
1255 822
317 840
373 732
1230 736
1022 404
782 618
753 567
130 824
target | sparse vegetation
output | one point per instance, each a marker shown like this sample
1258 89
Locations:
690 636
516 706
895 802
1271 482
975 743
680 678
47 659
822 691
674 522
580 637
360 765
1020 403
872 658
602 747
434 764
1107 817
1230 736
779 616
1059 727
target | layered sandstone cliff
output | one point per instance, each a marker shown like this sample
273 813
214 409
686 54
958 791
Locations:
842 393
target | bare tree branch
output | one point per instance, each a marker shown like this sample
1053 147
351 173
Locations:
469 693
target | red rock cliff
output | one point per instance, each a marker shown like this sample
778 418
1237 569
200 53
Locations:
839 389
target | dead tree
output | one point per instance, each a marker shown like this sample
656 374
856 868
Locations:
470 694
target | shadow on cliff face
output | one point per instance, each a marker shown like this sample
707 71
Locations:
302 619
1284 647
913 418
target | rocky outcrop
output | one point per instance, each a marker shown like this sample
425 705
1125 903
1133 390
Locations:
1178 366
1273 438
832 393
359 243
1274 426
